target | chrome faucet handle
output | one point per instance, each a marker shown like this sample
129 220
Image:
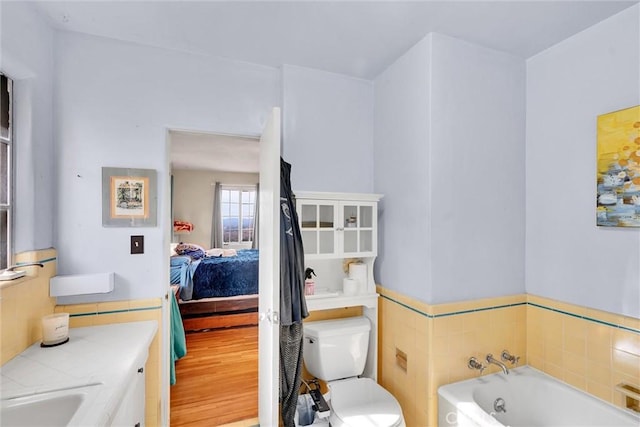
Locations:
507 357
474 364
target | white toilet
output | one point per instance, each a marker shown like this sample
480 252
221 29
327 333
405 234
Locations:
336 351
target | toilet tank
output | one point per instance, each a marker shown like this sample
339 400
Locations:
335 349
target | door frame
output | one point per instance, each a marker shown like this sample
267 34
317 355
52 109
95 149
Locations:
269 272
165 211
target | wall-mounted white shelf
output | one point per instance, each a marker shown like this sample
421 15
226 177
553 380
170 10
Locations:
331 301
81 284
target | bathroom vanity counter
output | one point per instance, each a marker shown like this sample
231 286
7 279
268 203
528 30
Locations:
99 361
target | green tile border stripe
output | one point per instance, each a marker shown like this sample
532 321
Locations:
473 310
422 313
455 313
124 310
42 261
589 319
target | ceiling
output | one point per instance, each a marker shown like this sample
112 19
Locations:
224 153
355 38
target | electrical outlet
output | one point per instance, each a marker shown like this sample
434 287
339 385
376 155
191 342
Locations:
137 244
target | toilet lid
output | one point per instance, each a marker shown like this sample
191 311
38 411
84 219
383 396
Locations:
362 402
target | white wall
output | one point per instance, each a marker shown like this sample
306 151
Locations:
114 102
27 57
193 199
449 157
327 130
401 164
477 171
568 257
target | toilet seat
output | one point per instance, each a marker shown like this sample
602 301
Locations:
358 402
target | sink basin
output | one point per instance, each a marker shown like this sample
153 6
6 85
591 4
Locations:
51 409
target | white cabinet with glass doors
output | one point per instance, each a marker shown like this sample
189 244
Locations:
338 225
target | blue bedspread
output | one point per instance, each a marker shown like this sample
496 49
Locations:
216 276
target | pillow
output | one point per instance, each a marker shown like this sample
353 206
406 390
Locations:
229 252
172 249
214 252
190 249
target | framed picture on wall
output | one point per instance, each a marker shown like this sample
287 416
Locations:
129 197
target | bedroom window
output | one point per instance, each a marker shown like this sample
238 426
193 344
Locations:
6 140
238 211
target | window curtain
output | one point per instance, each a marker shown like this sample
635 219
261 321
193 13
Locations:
216 220
256 219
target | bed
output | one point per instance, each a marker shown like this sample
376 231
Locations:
216 288
216 276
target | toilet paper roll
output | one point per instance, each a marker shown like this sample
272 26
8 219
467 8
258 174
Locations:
358 271
349 286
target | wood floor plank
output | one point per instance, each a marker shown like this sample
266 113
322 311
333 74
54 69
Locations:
217 381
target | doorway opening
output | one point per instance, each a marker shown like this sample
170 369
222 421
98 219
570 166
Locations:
214 189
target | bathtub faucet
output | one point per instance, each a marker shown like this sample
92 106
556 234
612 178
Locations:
507 357
490 359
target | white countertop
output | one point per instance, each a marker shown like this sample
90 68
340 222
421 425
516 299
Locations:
107 355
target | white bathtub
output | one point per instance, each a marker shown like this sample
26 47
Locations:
531 398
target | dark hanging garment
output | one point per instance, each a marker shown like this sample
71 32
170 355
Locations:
290 371
293 306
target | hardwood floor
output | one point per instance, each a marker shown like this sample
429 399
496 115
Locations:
217 381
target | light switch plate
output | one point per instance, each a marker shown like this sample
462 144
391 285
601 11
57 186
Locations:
137 244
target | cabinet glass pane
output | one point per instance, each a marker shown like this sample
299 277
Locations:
308 216
326 241
310 242
350 240
366 216
326 216
366 241
350 216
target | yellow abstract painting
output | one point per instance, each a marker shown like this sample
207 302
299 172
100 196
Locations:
618 169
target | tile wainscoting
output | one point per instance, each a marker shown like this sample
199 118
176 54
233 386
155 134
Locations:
23 302
589 349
